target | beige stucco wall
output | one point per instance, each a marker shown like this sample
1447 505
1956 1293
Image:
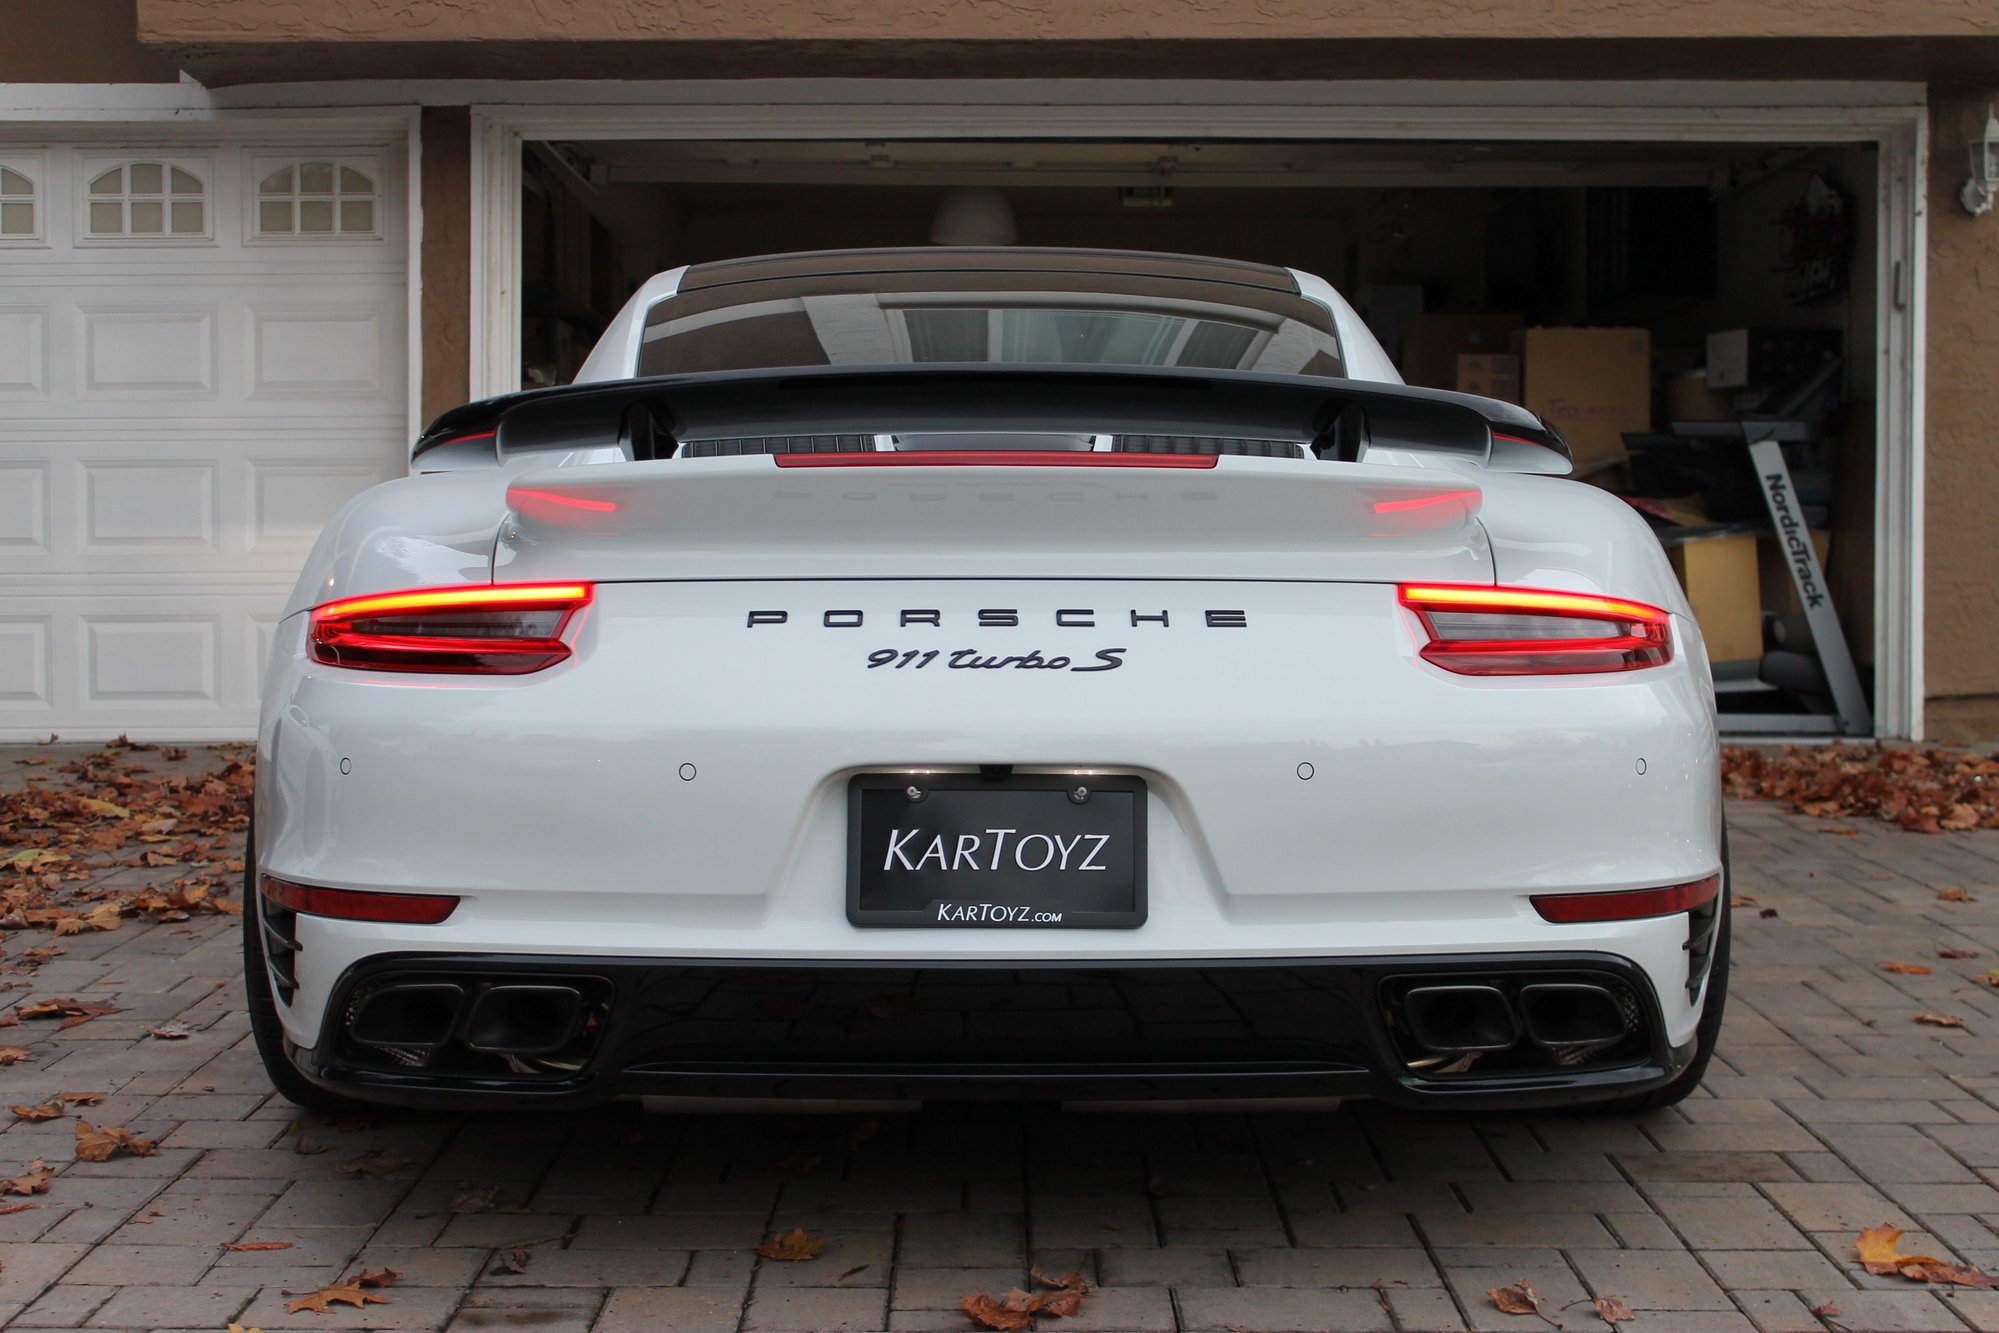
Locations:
1962 445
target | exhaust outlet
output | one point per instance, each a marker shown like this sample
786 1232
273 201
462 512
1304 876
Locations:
524 1020
1459 1020
1565 1016
413 1016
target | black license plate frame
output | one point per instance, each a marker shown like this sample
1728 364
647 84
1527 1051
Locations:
1037 807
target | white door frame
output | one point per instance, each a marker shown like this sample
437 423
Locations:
1892 116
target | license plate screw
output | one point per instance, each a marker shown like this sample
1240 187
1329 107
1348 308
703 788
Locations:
1079 794
913 793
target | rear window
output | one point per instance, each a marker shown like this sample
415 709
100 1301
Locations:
931 317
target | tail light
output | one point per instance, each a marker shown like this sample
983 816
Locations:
497 630
1627 904
1481 631
995 458
410 909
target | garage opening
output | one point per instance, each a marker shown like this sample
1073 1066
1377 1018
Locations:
1665 304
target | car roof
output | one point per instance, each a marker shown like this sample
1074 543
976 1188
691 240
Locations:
987 259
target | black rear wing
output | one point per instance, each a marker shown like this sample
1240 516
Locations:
1345 420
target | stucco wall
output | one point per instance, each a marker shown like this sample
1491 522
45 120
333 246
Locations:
447 258
77 41
618 20
1962 455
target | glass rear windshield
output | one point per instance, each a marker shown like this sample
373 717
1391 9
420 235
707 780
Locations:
1058 318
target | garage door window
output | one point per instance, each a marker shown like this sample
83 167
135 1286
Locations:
17 205
148 199
316 199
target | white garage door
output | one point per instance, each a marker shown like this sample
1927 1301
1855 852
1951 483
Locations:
202 356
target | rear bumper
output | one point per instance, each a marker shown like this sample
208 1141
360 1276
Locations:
979 1030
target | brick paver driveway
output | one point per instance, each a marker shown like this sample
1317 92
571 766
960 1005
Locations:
1831 1109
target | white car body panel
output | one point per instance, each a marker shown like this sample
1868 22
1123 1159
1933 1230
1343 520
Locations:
678 788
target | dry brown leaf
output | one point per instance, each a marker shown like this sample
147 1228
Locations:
371 1165
512 1261
8 1209
13 1055
1826 1310
70 1011
101 1144
1612 1310
36 1181
1941 1020
81 1098
480 1200
381 1277
1955 896
341 1293
1880 1255
238 1328
41 953
1516 1299
1957 953
48 1110
794 1248
1906 969
177 1032
1005 1313
1767 913
245 1246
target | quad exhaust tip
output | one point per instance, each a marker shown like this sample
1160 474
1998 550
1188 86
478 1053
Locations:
418 1017
1460 1019
1565 1015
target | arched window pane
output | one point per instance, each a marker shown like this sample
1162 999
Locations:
184 183
13 182
316 199
111 182
147 199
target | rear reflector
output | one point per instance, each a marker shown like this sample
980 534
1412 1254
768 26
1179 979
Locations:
994 458
1486 631
1626 905
492 630
411 909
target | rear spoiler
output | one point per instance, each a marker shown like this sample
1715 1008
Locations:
644 419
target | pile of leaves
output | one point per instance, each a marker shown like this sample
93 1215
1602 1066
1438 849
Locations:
1931 790
1017 1309
73 820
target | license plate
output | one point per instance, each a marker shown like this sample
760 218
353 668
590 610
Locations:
1042 851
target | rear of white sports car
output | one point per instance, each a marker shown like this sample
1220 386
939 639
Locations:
1083 676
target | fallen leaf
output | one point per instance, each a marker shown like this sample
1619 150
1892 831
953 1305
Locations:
1841 832
48 1110
1767 913
71 1012
10 1208
381 1277
342 1293
1743 900
1957 953
1906 969
857 1268
95 1144
245 1246
238 1328
96 806
1516 1299
476 1201
794 1248
374 1166
1879 1254
41 953
177 1032
1612 1310
1941 1020
1955 896
36 1181
512 1261
81 1098
1826 1310
1004 1314
11 1055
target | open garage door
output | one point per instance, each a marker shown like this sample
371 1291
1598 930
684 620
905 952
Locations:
1645 296
202 356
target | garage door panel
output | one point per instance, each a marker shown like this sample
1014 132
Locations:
181 414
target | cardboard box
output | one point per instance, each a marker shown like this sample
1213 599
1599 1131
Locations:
1592 384
1721 578
1688 398
1489 376
1432 344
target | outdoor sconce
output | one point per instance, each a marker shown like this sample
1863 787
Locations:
1978 191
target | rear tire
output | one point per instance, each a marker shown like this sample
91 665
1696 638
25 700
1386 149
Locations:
1706 1034
265 1028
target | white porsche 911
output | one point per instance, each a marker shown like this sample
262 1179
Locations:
914 674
